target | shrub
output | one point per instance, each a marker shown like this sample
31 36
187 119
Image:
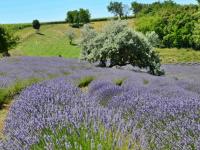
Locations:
36 24
70 35
121 46
153 38
7 41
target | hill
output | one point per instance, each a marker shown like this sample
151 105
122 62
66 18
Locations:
52 41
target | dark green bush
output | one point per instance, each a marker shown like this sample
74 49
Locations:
7 41
36 24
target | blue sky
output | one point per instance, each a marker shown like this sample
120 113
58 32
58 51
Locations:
21 11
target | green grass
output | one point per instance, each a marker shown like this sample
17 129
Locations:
85 137
119 82
85 81
174 55
7 94
51 42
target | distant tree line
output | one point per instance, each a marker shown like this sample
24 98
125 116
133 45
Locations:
176 25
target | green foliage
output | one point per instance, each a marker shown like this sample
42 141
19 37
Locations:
87 35
175 24
141 9
36 24
71 36
153 38
7 40
85 81
7 94
121 46
137 7
196 35
83 138
196 32
116 8
84 16
16 27
119 82
78 17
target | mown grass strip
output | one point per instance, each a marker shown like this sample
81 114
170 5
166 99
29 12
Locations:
7 94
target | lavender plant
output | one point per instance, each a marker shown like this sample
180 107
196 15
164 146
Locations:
61 117
161 114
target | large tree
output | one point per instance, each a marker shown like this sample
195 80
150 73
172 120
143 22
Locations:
77 17
136 7
7 41
116 8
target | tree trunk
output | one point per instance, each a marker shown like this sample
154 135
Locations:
6 54
102 63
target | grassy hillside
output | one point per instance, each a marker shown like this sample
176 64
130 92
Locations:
53 42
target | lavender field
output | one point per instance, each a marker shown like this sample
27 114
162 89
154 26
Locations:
80 106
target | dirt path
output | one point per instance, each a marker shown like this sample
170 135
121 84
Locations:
3 114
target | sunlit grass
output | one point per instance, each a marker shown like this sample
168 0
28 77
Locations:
174 55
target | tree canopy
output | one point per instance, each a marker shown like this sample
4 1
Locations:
77 17
116 8
7 41
36 24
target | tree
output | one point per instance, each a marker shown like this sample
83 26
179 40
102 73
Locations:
77 17
121 46
153 38
36 24
116 8
196 31
70 35
137 7
7 41
84 16
126 10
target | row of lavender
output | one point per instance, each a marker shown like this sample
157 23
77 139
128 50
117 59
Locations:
145 112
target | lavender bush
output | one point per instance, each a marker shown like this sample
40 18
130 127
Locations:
144 112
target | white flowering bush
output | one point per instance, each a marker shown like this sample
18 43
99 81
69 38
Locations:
121 46
71 36
153 38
